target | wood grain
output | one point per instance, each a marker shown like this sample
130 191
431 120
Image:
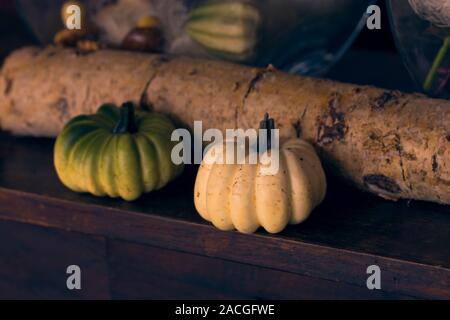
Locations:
345 235
144 272
33 263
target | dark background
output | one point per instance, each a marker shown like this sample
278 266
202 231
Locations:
372 60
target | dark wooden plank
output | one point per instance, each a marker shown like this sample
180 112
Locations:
349 232
145 272
34 260
399 276
348 219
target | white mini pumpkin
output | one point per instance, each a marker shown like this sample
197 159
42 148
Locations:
241 197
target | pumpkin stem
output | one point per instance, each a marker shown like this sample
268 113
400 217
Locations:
269 125
126 123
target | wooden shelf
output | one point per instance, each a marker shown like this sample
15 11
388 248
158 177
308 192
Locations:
161 233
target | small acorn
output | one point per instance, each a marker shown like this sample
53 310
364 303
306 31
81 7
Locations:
68 38
86 46
146 36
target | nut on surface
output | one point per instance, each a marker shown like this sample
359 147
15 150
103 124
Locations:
66 37
88 46
144 39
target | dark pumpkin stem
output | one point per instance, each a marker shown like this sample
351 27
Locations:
269 125
126 123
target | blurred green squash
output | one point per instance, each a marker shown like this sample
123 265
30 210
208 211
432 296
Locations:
226 29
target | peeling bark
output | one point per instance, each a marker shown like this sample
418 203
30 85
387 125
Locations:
332 125
385 99
382 185
143 101
434 163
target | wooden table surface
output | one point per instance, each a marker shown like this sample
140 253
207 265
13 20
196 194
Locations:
325 257
158 247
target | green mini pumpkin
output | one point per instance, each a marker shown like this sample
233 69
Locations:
116 152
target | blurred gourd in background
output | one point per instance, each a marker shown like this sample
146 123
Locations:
228 29
299 36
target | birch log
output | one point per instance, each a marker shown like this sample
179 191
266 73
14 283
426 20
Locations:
389 143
